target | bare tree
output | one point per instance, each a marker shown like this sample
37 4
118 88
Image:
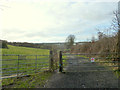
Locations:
116 21
70 41
100 35
116 27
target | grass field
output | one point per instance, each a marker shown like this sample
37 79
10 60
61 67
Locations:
26 63
24 50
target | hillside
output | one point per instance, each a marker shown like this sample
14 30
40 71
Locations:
24 50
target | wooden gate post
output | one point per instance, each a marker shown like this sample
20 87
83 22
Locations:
51 61
60 62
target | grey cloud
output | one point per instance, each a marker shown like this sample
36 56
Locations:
12 31
95 11
34 34
71 19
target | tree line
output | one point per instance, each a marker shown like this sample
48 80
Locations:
5 43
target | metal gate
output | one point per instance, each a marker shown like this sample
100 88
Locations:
88 62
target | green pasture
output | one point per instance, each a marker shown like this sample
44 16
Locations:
28 62
24 50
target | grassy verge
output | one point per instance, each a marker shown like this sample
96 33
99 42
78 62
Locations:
37 80
116 72
82 56
115 69
64 60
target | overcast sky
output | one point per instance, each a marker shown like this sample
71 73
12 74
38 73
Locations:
48 21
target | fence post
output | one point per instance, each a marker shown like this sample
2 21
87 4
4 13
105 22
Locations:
36 64
60 62
51 61
18 66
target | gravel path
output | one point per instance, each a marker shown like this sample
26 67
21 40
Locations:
77 76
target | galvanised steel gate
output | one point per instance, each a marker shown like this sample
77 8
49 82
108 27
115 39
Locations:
14 65
20 65
88 62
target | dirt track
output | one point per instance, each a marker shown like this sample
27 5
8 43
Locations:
77 76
